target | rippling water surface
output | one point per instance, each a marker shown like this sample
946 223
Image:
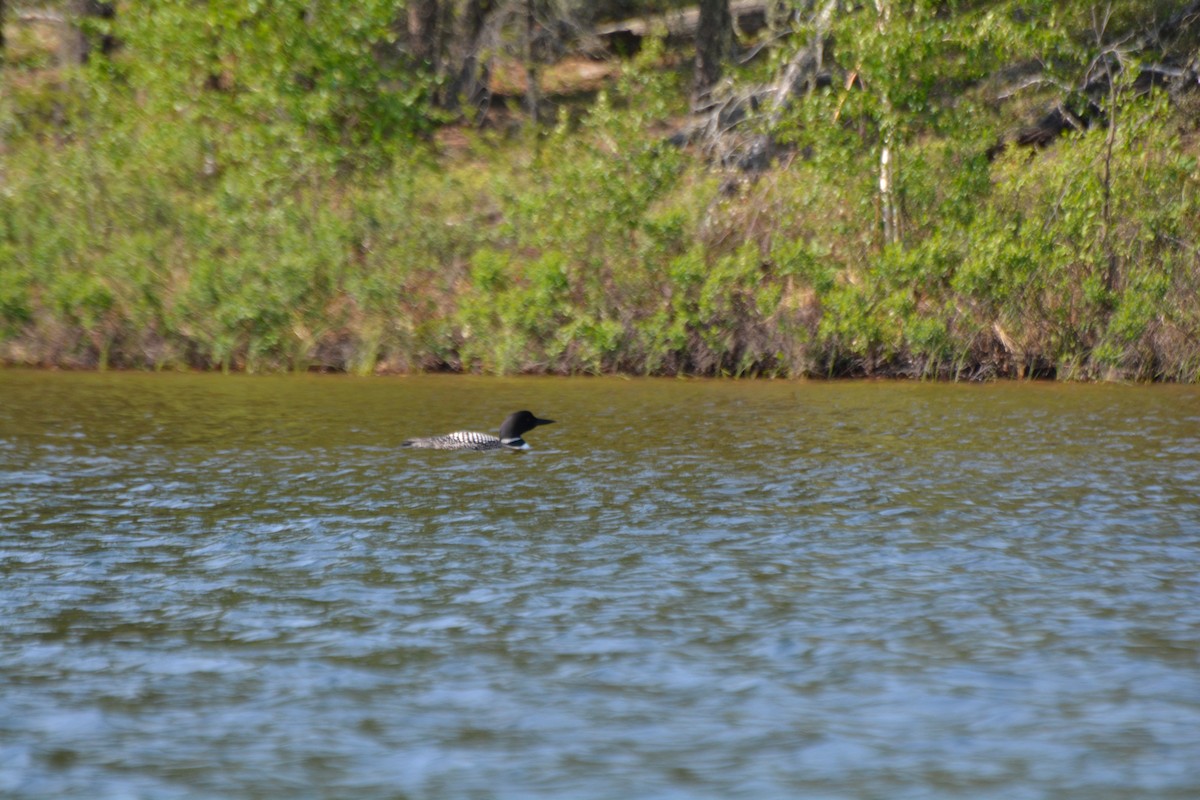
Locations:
241 587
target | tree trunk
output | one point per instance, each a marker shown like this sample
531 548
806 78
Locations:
714 41
532 78
889 151
77 46
468 57
888 207
423 32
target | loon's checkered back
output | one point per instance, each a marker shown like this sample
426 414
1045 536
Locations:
459 440
509 438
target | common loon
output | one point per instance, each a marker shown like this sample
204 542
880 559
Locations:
510 436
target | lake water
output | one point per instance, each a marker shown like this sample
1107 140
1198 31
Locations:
241 587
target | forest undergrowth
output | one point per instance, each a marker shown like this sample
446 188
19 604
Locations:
328 217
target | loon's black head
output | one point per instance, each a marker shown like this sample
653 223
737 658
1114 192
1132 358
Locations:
518 423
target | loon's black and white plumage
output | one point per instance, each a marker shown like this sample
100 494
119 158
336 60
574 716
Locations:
510 436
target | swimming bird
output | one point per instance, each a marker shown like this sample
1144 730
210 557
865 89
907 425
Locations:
511 429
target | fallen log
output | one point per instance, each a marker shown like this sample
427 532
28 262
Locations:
626 37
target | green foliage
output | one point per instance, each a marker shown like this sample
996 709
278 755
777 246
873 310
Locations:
16 304
253 188
584 234
276 82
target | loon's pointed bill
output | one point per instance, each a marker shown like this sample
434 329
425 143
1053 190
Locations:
514 425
